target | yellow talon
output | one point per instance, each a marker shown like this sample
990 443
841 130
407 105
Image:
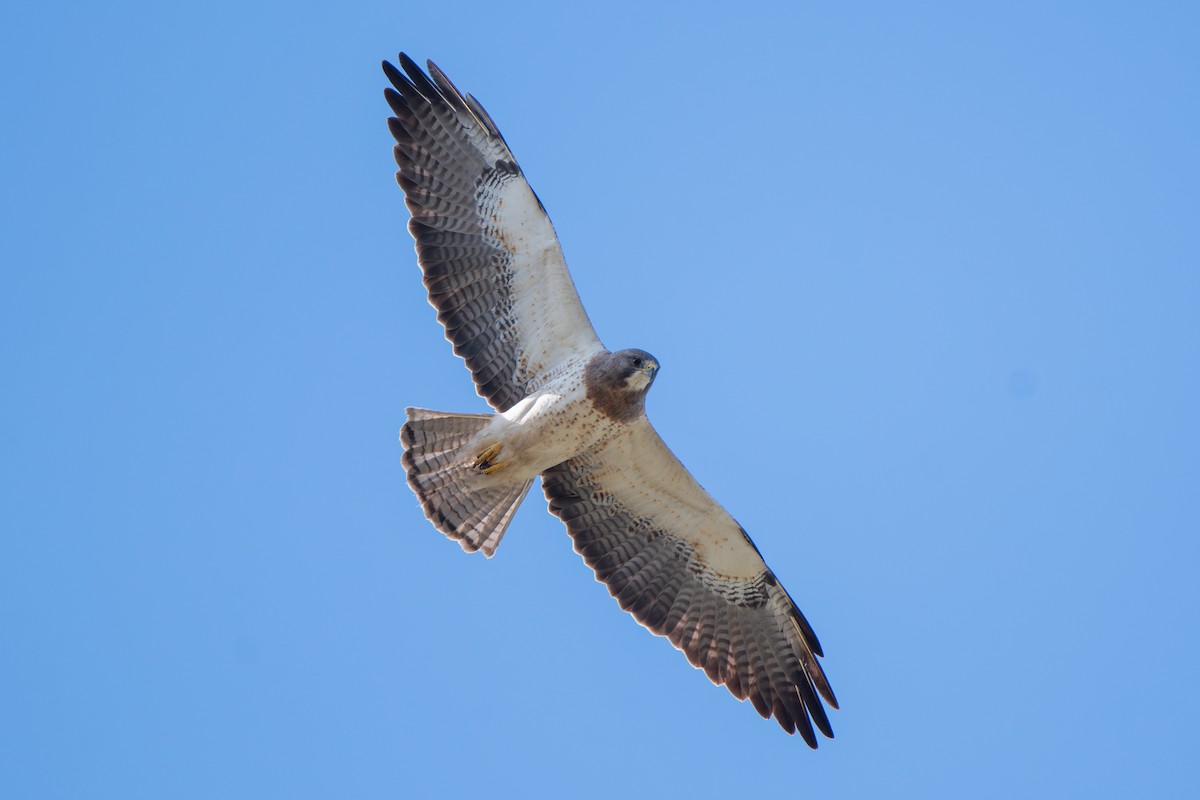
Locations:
484 461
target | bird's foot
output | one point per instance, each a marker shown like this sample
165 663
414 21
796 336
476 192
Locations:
486 462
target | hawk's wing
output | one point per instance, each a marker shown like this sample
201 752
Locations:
678 562
492 262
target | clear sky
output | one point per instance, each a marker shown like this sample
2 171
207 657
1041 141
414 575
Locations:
924 279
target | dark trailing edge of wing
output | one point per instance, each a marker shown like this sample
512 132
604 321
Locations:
465 271
653 575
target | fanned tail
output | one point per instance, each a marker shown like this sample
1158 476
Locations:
444 479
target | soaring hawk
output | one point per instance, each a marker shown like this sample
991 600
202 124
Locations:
572 412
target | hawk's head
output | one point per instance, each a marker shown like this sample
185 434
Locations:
617 382
637 368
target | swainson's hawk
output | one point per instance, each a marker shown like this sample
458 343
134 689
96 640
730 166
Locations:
572 412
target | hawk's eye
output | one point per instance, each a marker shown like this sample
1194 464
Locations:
637 362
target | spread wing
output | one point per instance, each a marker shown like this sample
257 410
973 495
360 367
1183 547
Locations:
492 263
678 562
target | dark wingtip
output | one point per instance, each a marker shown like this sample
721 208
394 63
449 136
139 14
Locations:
397 130
418 78
407 63
394 100
827 692
804 728
819 717
393 74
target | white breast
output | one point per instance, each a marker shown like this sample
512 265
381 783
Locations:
547 428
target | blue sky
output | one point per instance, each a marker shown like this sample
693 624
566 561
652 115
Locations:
924 281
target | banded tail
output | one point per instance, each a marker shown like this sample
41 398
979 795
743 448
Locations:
442 474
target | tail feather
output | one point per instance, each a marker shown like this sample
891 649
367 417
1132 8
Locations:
443 477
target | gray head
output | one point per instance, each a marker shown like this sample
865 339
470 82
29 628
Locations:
617 382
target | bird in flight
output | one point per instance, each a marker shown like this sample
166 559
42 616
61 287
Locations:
572 412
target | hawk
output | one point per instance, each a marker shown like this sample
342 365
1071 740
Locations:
572 412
